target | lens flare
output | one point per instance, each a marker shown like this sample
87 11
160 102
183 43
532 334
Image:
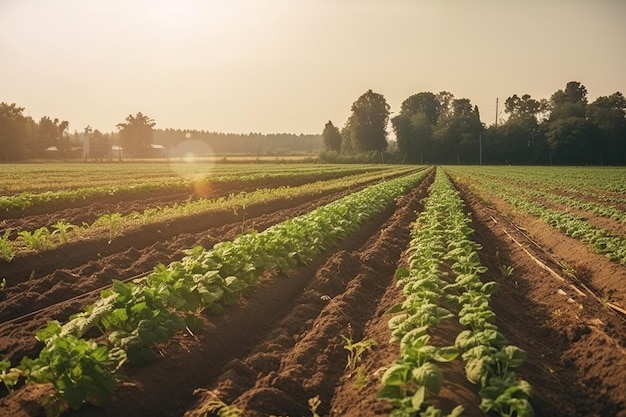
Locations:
193 160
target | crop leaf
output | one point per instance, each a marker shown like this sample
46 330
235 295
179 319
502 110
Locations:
396 375
419 397
53 328
429 375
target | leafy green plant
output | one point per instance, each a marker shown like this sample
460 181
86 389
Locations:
7 251
506 271
356 351
36 240
112 221
62 229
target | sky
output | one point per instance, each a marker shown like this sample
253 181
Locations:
290 66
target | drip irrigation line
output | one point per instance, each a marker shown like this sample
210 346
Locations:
77 297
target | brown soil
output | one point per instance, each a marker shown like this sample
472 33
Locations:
283 345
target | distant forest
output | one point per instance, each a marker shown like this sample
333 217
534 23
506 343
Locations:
231 143
439 128
430 128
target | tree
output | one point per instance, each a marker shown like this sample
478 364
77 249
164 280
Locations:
608 114
524 107
332 137
457 133
422 103
13 132
51 133
570 102
570 140
413 136
368 123
136 134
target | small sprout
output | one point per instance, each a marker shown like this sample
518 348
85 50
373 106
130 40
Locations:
506 271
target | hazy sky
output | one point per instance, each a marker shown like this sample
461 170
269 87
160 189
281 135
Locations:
291 65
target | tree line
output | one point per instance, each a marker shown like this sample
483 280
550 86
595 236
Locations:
439 128
23 138
430 128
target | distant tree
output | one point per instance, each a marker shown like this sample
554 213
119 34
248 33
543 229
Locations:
570 136
571 141
457 133
51 133
368 122
99 145
13 132
136 134
524 107
332 137
570 102
422 103
413 136
608 114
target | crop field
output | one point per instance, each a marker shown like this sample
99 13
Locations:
296 289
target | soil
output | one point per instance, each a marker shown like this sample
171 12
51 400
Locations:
283 344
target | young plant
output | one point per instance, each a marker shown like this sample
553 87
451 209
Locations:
112 221
356 351
62 229
506 271
37 240
7 251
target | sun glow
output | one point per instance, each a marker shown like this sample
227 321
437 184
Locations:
173 13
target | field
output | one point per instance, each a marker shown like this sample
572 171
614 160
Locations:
294 289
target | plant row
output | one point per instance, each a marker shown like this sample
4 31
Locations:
598 239
14 242
130 319
29 199
442 281
562 192
35 178
584 180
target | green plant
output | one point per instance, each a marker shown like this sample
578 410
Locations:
62 229
7 251
356 351
36 240
506 271
113 221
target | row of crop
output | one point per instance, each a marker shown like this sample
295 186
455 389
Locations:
14 242
440 244
132 318
34 178
598 239
559 193
599 180
27 199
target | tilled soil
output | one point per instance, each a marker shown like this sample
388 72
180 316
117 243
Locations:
284 343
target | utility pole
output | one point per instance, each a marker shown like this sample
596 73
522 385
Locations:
496 111
480 149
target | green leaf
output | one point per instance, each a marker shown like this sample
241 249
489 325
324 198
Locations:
429 375
418 398
390 392
446 354
396 375
53 328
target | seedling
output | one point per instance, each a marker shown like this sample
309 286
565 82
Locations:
62 228
506 271
7 251
356 351
36 240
